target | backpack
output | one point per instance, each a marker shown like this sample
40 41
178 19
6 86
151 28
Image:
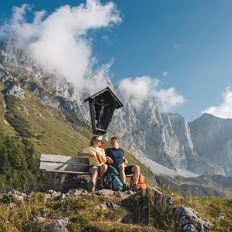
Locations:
141 182
111 179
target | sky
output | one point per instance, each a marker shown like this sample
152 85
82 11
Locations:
178 50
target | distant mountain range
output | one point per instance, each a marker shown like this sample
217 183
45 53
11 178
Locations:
165 142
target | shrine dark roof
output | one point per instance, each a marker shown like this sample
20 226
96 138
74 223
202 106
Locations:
108 95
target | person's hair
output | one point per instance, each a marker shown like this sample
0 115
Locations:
114 138
94 138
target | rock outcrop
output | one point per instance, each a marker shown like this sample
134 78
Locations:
153 205
187 220
164 138
148 206
58 225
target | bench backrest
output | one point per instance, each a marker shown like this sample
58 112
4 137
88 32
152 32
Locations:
65 164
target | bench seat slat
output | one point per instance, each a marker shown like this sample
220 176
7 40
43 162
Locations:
69 172
63 167
64 159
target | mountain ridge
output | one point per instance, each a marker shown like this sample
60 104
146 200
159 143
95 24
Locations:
212 138
158 138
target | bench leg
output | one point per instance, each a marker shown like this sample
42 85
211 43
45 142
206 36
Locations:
58 179
62 179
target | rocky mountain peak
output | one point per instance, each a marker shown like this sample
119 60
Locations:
212 138
14 53
161 140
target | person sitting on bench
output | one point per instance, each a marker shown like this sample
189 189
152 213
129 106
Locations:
119 162
97 160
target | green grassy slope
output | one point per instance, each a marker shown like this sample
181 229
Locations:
51 133
84 213
4 126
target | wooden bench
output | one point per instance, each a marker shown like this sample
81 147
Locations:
62 165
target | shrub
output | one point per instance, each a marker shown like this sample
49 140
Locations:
19 165
15 120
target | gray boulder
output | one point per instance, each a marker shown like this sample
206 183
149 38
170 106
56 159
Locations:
58 225
187 220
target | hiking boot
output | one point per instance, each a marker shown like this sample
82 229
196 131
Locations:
135 187
91 187
125 187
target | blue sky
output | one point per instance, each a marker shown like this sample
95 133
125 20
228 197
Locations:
185 44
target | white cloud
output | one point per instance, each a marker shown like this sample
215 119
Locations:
169 98
136 90
60 41
225 109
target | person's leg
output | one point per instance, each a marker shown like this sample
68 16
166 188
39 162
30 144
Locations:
103 169
121 169
94 173
136 173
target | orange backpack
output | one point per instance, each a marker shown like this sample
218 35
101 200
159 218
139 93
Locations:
141 182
